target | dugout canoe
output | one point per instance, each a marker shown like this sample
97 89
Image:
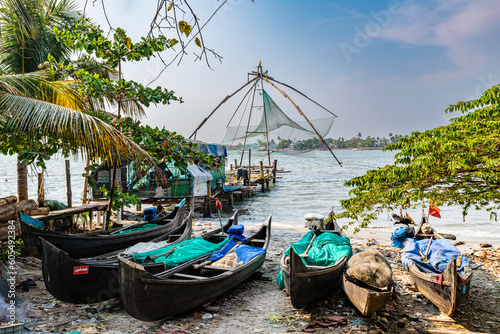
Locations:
365 298
95 279
448 291
151 296
100 242
308 284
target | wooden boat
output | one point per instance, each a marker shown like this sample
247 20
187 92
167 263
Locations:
446 291
91 280
100 242
368 298
150 296
308 284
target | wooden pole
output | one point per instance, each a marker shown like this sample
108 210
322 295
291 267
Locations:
275 165
249 165
261 170
85 199
68 184
41 190
210 115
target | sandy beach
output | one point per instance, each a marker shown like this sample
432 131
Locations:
259 306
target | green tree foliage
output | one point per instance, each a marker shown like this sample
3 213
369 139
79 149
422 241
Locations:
456 164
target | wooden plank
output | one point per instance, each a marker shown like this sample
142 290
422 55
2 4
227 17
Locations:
58 214
189 276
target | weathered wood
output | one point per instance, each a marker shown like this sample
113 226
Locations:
4 229
44 210
72 211
9 211
40 190
8 200
275 165
68 184
148 296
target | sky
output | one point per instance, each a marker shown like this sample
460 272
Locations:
381 66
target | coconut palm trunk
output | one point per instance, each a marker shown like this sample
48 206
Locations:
22 180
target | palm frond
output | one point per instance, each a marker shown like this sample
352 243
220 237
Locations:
76 129
36 86
27 35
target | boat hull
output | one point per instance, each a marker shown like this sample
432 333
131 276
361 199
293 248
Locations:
149 298
366 300
92 244
85 281
306 285
448 295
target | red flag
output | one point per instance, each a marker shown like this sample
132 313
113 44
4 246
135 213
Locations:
218 204
434 210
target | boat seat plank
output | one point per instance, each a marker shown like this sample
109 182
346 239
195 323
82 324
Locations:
217 268
189 276
256 240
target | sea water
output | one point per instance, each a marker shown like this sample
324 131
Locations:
312 183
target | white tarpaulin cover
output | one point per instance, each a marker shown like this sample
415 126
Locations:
200 179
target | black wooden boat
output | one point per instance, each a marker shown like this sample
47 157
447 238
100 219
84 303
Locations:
99 242
446 291
91 280
150 296
308 284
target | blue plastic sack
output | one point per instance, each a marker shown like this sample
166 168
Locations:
150 214
398 237
236 232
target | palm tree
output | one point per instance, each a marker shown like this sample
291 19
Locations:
30 102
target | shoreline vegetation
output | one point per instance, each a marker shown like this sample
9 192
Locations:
368 143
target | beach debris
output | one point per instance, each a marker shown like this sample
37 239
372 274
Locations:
275 318
27 284
171 329
328 321
448 236
458 243
484 245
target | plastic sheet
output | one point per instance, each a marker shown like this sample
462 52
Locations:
441 253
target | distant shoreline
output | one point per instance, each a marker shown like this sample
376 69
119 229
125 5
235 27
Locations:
316 149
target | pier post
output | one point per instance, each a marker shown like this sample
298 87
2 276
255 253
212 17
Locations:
275 166
262 176
249 166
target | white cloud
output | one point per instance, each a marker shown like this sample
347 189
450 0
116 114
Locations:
466 29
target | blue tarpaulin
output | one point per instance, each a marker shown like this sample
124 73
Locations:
441 253
244 252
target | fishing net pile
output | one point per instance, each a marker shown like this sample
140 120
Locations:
370 267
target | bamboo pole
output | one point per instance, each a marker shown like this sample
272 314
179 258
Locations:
213 111
307 119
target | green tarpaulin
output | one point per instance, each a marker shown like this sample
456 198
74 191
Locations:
144 227
182 252
326 249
